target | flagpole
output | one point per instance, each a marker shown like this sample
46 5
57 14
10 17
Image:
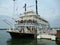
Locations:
25 8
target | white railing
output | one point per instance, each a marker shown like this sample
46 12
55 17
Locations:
27 24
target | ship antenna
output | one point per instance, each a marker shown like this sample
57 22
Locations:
36 7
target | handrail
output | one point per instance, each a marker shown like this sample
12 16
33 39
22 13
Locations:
27 24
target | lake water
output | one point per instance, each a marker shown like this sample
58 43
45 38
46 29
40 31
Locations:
5 39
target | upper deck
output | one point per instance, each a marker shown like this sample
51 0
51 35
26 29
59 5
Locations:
31 17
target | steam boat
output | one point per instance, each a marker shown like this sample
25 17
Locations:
29 25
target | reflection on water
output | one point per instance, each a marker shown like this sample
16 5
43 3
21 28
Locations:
21 42
5 39
31 42
57 42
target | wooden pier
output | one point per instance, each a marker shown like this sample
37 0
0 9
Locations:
58 35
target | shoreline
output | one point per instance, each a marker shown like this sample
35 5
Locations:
3 29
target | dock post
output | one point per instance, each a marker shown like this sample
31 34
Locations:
58 35
35 35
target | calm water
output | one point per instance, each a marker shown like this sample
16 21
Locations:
5 39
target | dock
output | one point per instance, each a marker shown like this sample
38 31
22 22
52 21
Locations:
58 35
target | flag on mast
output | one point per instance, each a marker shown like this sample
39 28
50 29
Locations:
24 6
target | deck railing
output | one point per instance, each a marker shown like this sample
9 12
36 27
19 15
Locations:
28 24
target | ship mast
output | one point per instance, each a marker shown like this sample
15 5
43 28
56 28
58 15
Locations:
35 35
13 11
13 7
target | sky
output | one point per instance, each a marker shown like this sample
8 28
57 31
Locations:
48 9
